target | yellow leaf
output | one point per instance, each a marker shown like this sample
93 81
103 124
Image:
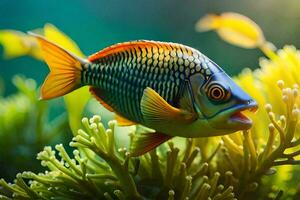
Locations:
75 104
234 28
16 44
55 35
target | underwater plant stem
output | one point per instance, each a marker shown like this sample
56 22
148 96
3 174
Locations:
234 168
213 153
66 157
279 129
20 182
279 195
171 161
232 145
286 162
93 160
268 163
245 171
156 170
286 138
187 188
214 183
265 48
189 145
291 155
202 170
63 169
124 176
252 151
5 185
4 197
192 157
290 132
268 148
295 143
102 176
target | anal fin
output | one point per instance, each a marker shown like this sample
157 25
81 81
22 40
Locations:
145 142
123 121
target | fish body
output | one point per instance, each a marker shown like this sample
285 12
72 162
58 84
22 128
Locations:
122 72
171 88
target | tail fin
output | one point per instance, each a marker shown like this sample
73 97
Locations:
65 69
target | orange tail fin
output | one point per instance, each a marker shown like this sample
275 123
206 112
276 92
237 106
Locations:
65 69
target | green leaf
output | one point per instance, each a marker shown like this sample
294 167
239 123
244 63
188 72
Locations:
75 104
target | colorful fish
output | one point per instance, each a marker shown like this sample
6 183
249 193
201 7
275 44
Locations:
171 88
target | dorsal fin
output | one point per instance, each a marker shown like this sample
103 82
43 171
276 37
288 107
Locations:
119 47
133 44
96 93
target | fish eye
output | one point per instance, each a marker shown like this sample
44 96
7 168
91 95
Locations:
217 93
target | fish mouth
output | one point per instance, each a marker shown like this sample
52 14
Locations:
238 117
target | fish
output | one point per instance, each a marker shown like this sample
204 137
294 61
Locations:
170 88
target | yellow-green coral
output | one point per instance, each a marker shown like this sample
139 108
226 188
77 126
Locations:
100 169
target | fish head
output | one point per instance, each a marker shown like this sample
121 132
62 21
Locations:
220 101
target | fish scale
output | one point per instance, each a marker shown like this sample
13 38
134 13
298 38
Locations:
161 66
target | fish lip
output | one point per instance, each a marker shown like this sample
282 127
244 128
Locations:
238 118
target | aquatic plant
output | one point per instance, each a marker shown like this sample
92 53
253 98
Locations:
283 67
25 128
25 45
101 169
244 165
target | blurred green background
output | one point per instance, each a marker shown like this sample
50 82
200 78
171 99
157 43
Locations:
95 24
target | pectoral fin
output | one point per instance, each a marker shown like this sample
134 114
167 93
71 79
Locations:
145 142
156 110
